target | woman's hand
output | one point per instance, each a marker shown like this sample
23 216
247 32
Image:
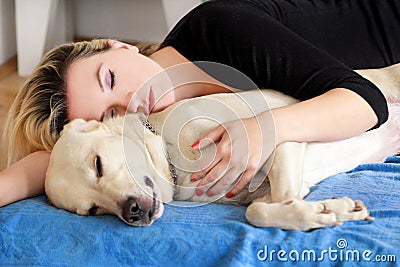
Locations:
244 146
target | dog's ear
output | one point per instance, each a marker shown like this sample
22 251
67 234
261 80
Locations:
81 125
90 126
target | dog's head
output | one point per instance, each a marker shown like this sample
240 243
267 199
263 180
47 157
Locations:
88 172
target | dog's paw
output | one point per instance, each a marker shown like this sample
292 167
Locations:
347 209
291 215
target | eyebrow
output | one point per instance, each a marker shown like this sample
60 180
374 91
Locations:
99 78
101 87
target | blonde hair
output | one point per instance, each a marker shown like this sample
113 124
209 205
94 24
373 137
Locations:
39 111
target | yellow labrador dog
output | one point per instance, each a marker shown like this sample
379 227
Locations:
130 166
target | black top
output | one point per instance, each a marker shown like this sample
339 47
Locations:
261 39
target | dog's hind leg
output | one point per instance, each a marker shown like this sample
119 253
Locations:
299 214
347 209
285 175
291 215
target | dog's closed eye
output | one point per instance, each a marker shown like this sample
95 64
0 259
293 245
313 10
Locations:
98 166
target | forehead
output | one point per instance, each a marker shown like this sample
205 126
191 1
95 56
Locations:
83 72
77 149
81 86
84 65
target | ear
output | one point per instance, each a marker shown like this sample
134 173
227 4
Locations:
117 44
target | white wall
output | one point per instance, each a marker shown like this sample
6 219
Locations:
143 20
7 30
42 24
176 9
122 19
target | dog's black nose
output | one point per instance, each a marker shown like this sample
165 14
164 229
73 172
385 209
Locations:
134 210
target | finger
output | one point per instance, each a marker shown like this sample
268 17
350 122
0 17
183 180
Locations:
200 174
212 177
223 152
213 136
243 181
225 183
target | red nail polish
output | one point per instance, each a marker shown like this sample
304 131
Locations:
229 195
195 144
193 180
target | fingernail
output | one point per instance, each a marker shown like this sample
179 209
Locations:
209 194
229 195
193 180
199 192
195 144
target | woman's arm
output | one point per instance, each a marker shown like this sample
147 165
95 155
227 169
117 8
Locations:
338 114
24 179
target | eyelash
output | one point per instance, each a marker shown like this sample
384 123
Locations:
112 74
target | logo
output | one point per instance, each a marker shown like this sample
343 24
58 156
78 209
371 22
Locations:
340 252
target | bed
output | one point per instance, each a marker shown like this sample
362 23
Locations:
32 233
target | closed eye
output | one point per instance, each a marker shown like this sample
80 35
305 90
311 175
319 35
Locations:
98 166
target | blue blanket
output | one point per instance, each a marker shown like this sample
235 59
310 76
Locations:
34 233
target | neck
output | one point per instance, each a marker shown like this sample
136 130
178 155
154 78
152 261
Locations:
188 80
155 147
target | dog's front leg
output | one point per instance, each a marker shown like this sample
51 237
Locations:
286 173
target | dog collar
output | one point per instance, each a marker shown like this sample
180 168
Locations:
172 170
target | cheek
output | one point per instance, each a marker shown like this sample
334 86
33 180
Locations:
134 76
145 69
141 78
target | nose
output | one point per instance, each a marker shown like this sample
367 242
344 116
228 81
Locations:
134 210
131 103
128 99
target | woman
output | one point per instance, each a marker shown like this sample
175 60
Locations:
259 38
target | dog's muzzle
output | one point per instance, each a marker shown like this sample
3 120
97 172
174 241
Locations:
139 212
